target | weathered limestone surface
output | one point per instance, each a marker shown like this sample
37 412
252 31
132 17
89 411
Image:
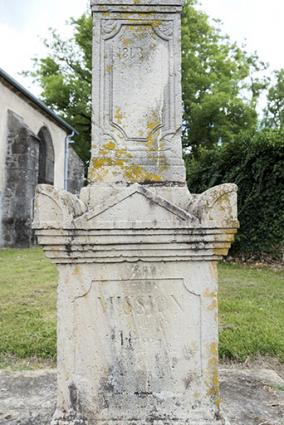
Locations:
137 304
136 253
136 92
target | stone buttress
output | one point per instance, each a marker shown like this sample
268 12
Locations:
137 253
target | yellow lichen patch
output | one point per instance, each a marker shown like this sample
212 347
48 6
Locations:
208 294
213 391
229 231
152 143
110 146
95 176
127 41
110 156
119 163
223 205
153 121
109 68
100 162
221 251
122 152
213 306
106 148
157 23
137 173
213 273
213 348
76 271
212 374
118 115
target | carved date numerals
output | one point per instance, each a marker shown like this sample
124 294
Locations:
130 53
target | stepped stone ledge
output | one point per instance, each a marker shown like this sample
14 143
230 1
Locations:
136 223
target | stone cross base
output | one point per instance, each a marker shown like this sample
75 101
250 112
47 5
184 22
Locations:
137 303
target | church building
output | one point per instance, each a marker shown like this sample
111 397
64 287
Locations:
34 148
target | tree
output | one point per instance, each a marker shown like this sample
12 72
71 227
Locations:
274 112
214 73
65 77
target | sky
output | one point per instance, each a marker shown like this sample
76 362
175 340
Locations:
23 23
258 23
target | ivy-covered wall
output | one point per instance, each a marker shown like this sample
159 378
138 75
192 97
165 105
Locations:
255 162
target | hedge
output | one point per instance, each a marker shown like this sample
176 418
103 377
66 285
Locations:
255 162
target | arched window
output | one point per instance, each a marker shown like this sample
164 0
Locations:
46 157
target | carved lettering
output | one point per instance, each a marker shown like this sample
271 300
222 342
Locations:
138 324
179 302
146 305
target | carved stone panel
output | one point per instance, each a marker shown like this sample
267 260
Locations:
140 336
136 132
138 81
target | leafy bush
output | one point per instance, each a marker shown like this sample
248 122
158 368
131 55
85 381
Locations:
255 162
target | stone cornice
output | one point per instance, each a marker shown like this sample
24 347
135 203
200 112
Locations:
101 246
134 225
137 6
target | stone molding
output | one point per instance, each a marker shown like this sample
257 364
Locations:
164 6
135 224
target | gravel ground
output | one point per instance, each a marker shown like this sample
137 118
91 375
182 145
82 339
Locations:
249 395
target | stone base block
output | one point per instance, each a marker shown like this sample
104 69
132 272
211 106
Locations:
137 302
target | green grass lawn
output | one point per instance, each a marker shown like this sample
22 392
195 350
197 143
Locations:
28 284
251 310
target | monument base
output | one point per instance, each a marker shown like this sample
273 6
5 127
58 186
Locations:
137 304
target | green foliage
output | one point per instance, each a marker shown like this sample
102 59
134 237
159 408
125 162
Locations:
274 112
65 77
215 76
255 162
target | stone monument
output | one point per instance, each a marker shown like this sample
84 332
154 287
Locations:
137 253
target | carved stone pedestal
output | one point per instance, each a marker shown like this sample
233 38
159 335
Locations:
137 304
